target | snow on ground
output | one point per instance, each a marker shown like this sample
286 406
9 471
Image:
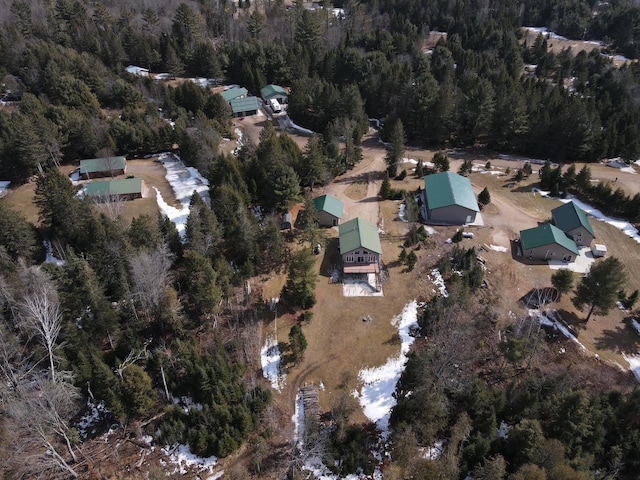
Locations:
547 33
619 163
434 451
548 318
298 421
634 364
413 161
622 225
216 475
290 124
635 324
4 186
430 230
181 456
503 430
498 248
96 413
401 212
518 158
270 360
139 71
379 383
184 181
75 177
438 281
51 258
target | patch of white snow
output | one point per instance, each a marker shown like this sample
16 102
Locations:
181 456
503 430
51 258
634 364
635 324
438 281
270 360
379 383
498 248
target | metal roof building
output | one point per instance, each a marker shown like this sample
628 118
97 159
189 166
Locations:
449 199
358 233
546 242
573 221
103 167
244 107
233 93
329 209
128 188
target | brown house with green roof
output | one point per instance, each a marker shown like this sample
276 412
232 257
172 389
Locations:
573 221
360 247
124 189
449 199
103 167
547 242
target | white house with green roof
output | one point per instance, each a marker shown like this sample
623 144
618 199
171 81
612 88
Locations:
123 189
244 107
573 221
329 210
359 247
547 242
102 167
276 92
449 199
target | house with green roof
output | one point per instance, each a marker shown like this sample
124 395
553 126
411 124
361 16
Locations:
124 189
244 107
102 167
329 210
573 221
449 199
233 93
276 92
359 247
548 242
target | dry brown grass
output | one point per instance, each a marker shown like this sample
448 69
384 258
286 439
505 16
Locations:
357 190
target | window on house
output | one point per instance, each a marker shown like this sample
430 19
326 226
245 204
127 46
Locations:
350 258
360 259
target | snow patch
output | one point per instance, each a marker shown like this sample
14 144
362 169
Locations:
298 421
181 456
438 281
270 357
402 212
503 430
634 364
547 33
636 325
4 186
379 383
498 248
51 258
138 71
96 413
548 319
290 124
184 181
434 451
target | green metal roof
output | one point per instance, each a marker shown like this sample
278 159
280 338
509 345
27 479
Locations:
358 233
241 105
125 186
232 93
106 164
446 188
329 204
271 90
546 234
569 216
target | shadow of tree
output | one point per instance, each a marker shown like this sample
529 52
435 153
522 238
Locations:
573 320
622 339
331 258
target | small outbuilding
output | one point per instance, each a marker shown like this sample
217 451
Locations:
244 107
124 189
573 221
360 247
287 221
103 167
548 242
276 92
449 199
329 210
598 250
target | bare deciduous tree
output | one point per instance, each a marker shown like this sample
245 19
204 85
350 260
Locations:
150 271
40 312
110 205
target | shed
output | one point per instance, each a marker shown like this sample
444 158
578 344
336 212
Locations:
274 91
360 247
573 221
233 93
244 107
125 189
103 167
598 250
138 71
329 210
548 242
449 199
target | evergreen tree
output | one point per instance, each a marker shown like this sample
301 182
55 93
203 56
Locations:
484 197
385 188
17 236
301 281
297 343
441 161
202 232
598 289
198 285
562 280
395 151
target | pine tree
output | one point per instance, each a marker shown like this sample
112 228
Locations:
484 197
301 281
385 188
396 149
598 289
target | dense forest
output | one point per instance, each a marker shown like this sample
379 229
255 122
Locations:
128 320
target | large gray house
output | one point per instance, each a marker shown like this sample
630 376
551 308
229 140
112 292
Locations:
547 242
449 199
